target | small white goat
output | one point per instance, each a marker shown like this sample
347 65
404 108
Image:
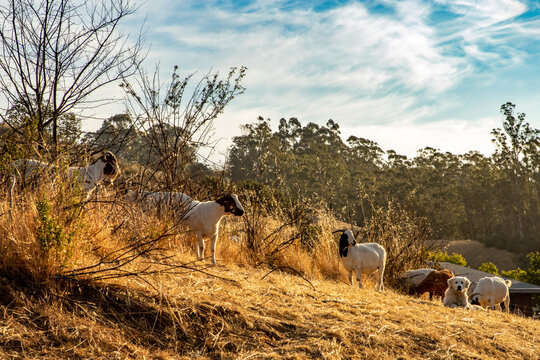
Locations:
492 291
105 167
202 217
365 258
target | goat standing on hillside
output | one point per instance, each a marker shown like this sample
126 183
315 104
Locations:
104 168
202 217
365 258
492 291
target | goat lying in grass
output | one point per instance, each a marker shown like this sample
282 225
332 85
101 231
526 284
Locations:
366 258
88 178
202 217
492 291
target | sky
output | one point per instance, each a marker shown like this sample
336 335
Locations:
406 74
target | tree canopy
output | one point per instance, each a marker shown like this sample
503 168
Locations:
493 199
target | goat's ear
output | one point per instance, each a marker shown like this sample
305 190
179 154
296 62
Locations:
220 199
449 281
467 283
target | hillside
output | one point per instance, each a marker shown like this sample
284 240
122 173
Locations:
477 253
139 293
230 312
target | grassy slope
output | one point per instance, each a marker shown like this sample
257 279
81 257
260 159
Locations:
226 311
195 315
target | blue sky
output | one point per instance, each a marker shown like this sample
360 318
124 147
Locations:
406 74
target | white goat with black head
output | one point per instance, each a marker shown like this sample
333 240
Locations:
362 258
87 177
202 217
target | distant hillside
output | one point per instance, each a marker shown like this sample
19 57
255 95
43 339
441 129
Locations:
477 253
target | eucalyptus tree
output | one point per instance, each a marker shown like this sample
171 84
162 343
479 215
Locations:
517 157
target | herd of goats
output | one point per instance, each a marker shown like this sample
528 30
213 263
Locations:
203 219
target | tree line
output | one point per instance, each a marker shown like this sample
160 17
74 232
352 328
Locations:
493 199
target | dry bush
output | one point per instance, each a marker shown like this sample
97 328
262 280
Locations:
404 236
43 237
283 234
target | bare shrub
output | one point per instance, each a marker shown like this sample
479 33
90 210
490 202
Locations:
404 236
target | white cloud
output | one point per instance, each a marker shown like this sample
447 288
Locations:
487 12
457 136
381 73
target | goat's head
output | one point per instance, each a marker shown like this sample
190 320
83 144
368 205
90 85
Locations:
110 169
345 241
231 204
476 298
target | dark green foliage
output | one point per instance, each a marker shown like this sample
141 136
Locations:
531 275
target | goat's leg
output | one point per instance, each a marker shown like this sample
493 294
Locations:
350 277
213 242
359 278
200 246
380 274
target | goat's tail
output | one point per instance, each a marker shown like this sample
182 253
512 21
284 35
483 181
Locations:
11 187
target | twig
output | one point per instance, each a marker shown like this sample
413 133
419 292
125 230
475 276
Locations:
295 271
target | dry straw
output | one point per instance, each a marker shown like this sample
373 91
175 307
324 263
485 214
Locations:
146 296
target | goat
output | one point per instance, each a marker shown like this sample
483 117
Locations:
89 177
162 200
202 217
366 258
492 291
436 283
415 276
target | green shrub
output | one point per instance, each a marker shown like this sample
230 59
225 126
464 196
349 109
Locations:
50 233
442 256
489 267
531 275
516 274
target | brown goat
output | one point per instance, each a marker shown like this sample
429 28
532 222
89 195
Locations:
436 283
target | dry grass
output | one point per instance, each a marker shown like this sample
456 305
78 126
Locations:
229 311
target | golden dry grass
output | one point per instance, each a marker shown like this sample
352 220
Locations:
229 311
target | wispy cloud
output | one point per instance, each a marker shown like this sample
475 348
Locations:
387 64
